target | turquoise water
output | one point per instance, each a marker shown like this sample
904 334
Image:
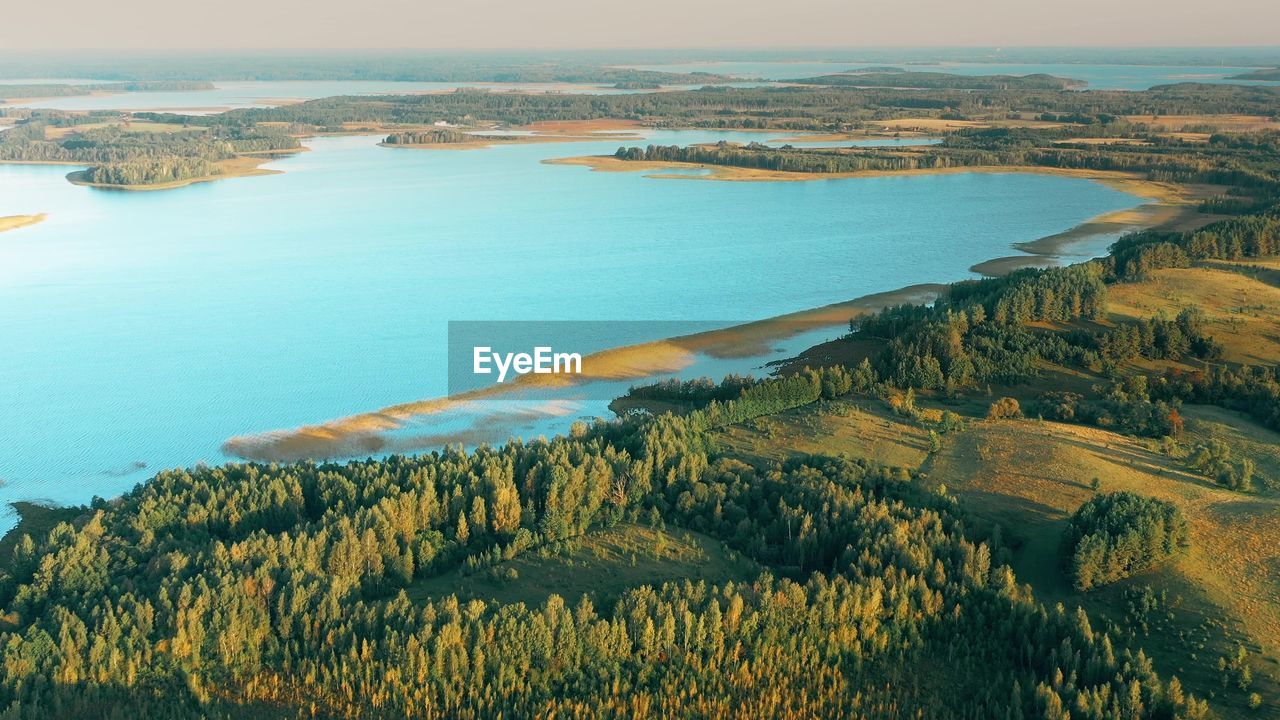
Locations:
139 330
1099 77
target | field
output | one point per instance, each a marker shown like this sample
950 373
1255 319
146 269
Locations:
1191 123
602 565
1240 299
859 430
1027 476
130 126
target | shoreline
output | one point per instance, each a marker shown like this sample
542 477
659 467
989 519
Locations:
1171 206
539 132
1175 207
13 222
366 433
1132 183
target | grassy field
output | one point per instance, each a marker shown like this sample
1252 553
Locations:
602 565
1240 299
132 126
1028 476
865 430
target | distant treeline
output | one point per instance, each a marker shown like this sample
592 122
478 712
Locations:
1265 74
396 66
762 157
428 137
1252 167
796 107
17 92
438 136
938 80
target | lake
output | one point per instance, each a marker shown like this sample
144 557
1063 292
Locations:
140 330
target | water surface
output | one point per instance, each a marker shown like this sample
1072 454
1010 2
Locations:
228 95
139 330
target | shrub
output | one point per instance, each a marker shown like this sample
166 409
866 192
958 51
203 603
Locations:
1005 407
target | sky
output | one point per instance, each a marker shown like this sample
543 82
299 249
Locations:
565 24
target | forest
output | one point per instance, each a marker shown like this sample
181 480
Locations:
794 107
150 172
1250 168
124 156
940 80
277 591
26 91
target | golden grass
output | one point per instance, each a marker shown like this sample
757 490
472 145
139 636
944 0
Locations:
860 430
602 564
1101 141
13 222
1242 307
845 136
582 127
1225 122
132 126
1029 476
928 124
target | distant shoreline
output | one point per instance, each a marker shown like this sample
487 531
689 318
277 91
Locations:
1172 205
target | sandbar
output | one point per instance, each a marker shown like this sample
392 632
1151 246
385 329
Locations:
13 222
370 432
